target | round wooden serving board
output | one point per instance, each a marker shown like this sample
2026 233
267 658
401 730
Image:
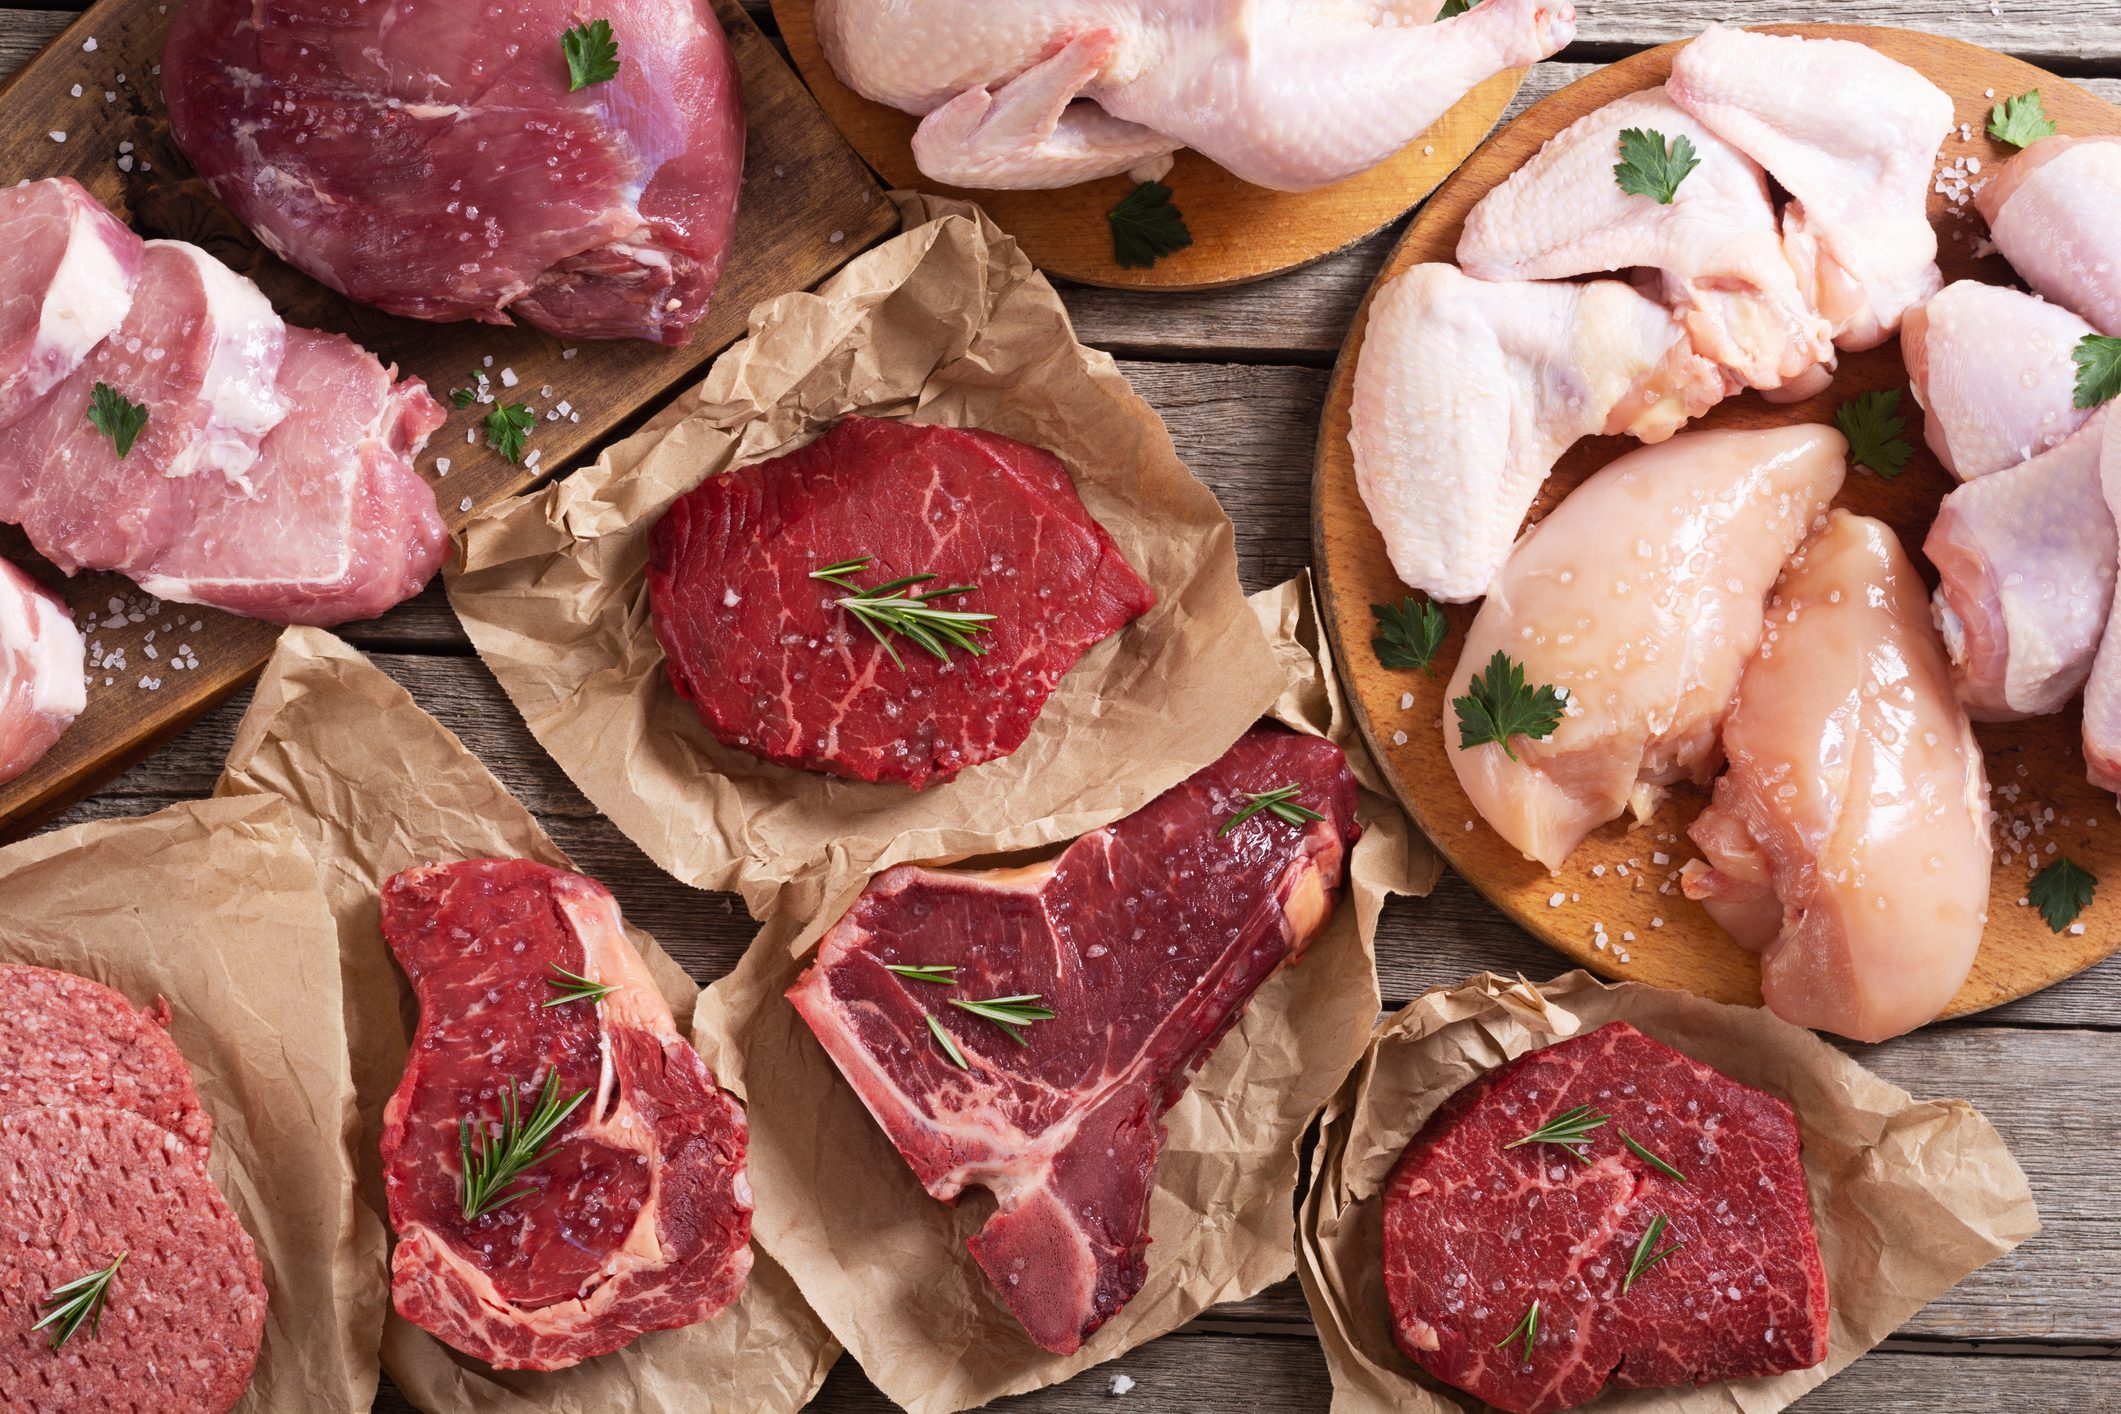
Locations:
1614 878
1240 232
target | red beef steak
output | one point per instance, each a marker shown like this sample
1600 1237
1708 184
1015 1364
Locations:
638 1216
1476 1231
778 668
1145 939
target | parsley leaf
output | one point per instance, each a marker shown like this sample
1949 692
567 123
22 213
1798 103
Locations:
2098 359
2061 891
1501 707
507 427
1408 636
1873 425
2020 121
1648 167
1452 9
592 54
1146 226
117 419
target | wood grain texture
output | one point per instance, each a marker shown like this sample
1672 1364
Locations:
1623 882
1240 232
790 234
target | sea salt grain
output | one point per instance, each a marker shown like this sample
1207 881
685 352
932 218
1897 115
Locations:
1121 1384
88 46
1556 900
57 136
465 504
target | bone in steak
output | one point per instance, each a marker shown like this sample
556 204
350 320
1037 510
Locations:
430 160
1476 1231
67 269
41 663
638 1217
778 668
71 1041
1146 939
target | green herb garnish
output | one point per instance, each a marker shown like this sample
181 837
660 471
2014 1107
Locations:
574 987
1501 707
78 1302
1527 1327
1873 425
1649 167
1651 1159
1408 636
490 1163
1146 227
1452 9
913 616
2061 891
117 419
592 54
1007 1013
1280 803
507 428
2020 121
941 975
2098 359
1569 1131
1648 1254
957 1057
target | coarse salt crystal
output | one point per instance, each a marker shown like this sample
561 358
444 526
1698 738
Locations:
88 46
465 504
1406 700
1121 1384
441 466
57 136
568 353
1556 900
508 377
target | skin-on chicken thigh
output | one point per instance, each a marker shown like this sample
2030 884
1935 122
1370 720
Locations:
1562 214
1289 94
1992 370
1848 841
1467 392
1853 137
1640 597
2055 211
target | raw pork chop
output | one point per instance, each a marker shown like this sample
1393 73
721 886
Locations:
432 162
1146 939
41 663
777 668
67 270
71 1041
638 1218
1475 1231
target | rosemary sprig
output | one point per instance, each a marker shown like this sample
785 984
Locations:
1648 1254
889 606
937 973
1280 803
1569 1131
78 1302
957 1057
490 1163
574 987
1651 1159
1007 1013
1527 1327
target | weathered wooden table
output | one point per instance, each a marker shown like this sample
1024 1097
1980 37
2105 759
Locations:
1239 376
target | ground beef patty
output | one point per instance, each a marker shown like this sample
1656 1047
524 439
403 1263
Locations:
70 1040
184 1314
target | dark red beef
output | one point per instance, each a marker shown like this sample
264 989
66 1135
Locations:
69 1041
778 669
1475 1232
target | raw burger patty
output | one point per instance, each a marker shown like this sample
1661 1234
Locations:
1474 1232
777 668
67 1040
184 1314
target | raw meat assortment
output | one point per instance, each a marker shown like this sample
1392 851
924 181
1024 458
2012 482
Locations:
1641 597
2025 565
778 667
443 170
1047 93
638 1215
67 270
69 1040
1848 841
1145 939
42 659
2055 213
1478 1226
1992 370
1467 393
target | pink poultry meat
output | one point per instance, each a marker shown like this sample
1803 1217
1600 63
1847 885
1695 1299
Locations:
1640 596
1283 93
41 665
1715 244
2055 212
433 162
1853 137
67 270
1467 392
1848 840
1993 371
2025 564
2102 693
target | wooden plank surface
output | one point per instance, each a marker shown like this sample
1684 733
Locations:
1240 376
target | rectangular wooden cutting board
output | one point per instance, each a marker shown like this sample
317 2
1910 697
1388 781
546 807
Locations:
90 107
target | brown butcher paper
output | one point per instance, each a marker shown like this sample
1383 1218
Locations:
1908 1195
377 786
213 906
947 324
886 1266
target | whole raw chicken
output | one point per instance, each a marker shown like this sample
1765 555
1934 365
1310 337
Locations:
1289 94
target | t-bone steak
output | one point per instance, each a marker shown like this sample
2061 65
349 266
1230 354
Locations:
1476 1231
1146 939
638 1216
777 667
70 1041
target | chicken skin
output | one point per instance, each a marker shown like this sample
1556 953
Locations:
1992 370
2102 693
2055 212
